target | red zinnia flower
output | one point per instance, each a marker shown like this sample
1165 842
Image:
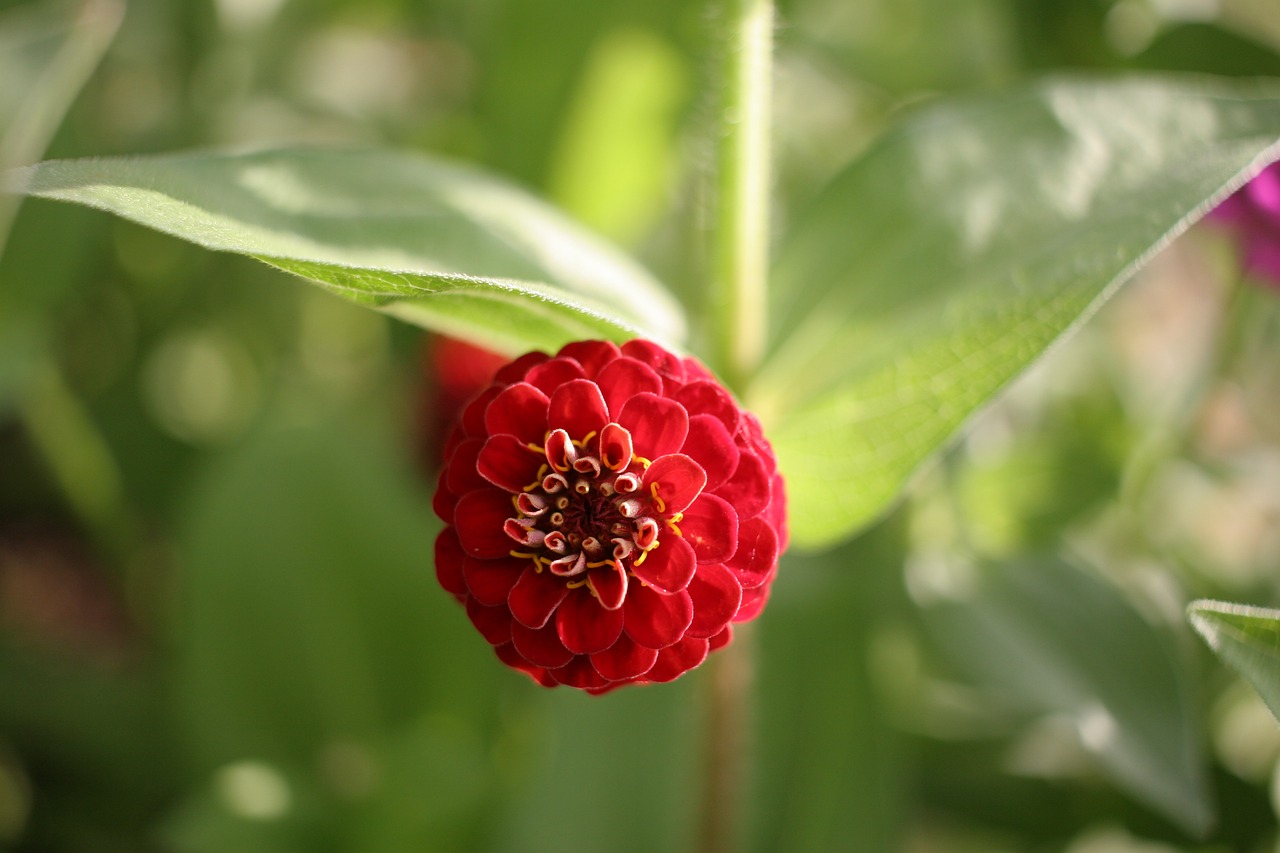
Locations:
609 512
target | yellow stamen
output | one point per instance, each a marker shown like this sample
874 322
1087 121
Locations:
662 505
644 462
576 584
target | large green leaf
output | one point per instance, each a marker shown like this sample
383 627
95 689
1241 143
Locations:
1052 639
1246 637
959 248
47 53
442 245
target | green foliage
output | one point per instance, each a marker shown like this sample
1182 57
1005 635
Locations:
956 251
391 230
1246 637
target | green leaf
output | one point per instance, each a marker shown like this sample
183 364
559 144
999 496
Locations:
1246 637
46 56
960 248
441 245
1053 639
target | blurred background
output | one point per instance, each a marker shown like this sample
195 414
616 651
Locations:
219 625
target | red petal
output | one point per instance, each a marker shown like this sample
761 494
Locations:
579 673
578 408
776 512
756 559
507 654
623 660
472 420
666 364
753 435
519 410
669 567
507 462
753 601
535 596
610 585
450 559
749 488
658 426
490 581
616 448
550 375
584 626
709 398
674 661
624 378
462 476
656 621
444 501
479 518
516 370
592 355
493 622
711 446
724 638
716 596
675 480
540 646
710 526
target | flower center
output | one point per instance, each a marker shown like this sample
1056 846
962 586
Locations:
587 517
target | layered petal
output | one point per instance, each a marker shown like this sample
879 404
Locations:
654 620
479 520
625 659
658 426
668 567
535 596
674 481
710 526
584 626
519 410
540 646
716 596
578 408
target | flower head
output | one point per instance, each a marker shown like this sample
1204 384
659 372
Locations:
609 513
1254 211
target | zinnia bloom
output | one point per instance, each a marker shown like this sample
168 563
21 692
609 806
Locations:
609 513
1254 212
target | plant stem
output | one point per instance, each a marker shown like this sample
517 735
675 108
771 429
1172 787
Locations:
739 261
727 712
740 254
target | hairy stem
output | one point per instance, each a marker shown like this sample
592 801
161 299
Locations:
740 254
740 259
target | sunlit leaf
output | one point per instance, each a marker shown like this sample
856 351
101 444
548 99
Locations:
46 55
438 244
1055 640
1246 637
959 248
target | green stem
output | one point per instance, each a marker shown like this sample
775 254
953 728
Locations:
740 256
739 260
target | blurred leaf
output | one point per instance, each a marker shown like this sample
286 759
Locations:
630 761
310 613
618 147
47 53
437 244
953 254
1246 637
1056 640
832 770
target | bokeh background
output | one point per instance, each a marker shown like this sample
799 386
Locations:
219 625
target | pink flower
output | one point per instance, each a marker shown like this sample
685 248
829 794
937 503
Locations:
609 514
1254 211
